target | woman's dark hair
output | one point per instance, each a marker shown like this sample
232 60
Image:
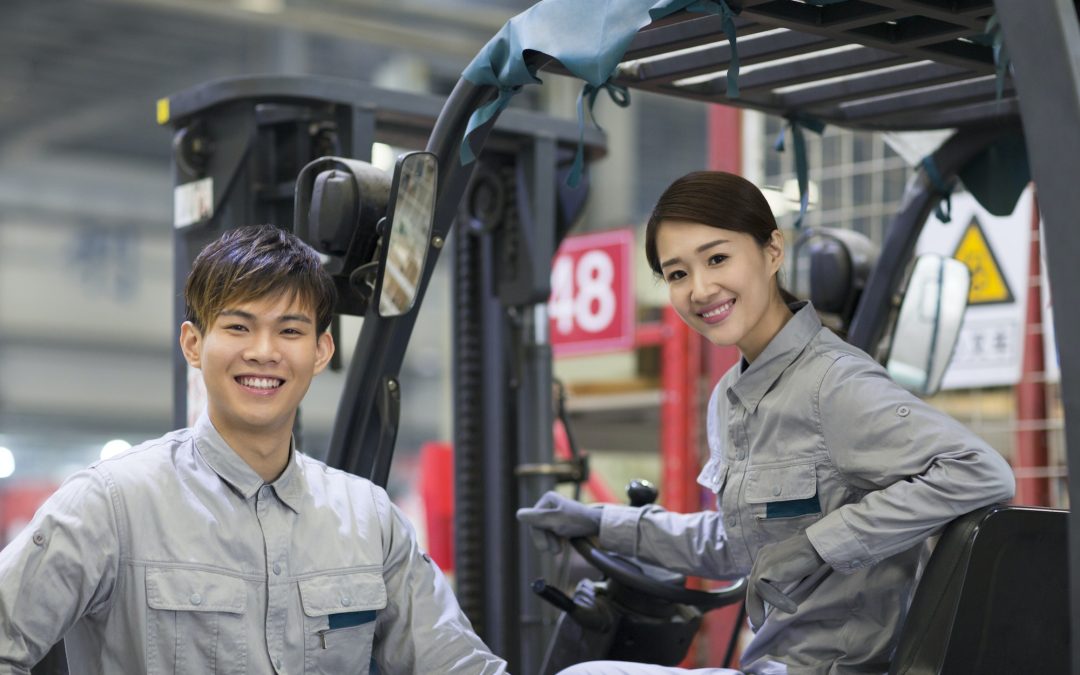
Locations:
716 199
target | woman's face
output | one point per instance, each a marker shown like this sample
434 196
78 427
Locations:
721 283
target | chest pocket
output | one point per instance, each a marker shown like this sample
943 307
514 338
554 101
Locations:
340 613
195 621
783 493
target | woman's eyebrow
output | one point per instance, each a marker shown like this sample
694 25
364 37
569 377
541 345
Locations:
699 249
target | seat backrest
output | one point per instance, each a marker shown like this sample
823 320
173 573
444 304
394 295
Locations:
54 662
993 598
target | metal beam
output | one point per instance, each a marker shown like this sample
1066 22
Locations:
718 57
1044 42
941 96
924 75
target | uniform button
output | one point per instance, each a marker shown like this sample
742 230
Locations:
346 601
777 490
731 521
277 568
903 411
39 538
856 563
196 599
740 455
277 664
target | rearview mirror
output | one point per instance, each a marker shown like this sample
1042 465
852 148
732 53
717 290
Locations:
929 323
409 217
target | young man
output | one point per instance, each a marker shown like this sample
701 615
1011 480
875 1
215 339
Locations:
220 548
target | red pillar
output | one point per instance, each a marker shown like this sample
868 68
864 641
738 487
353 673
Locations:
1032 489
679 416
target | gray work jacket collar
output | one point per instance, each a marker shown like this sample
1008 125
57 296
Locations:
754 380
232 469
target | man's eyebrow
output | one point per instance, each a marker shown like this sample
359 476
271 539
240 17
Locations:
302 318
284 318
699 249
238 313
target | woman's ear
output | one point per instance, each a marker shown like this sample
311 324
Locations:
774 251
191 344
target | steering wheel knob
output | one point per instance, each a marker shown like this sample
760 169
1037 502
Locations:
641 492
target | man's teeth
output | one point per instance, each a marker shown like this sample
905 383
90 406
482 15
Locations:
719 310
260 382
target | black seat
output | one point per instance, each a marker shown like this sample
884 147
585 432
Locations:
53 663
993 598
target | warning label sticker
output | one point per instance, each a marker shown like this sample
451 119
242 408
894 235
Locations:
988 283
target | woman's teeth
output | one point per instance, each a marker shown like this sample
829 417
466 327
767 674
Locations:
719 310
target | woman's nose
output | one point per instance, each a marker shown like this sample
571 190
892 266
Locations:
701 288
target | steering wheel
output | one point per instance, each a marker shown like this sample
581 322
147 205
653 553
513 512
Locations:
632 576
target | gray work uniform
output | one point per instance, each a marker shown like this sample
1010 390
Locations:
814 437
176 557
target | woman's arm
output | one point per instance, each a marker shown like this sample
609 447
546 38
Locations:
921 468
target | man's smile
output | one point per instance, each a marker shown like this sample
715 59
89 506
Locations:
259 384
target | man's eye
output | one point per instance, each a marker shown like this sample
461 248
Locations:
292 331
236 326
717 259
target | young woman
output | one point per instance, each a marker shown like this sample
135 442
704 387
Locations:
829 477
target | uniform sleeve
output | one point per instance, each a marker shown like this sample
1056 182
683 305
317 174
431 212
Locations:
693 543
919 467
61 567
422 629
688 543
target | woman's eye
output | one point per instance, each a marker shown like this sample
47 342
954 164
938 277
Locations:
717 258
675 276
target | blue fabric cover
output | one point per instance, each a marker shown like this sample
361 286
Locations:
588 37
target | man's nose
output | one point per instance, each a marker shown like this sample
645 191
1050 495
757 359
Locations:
262 348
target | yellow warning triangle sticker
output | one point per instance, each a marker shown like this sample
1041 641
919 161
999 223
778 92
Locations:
988 284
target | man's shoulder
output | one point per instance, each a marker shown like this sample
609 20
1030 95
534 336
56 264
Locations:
318 472
141 461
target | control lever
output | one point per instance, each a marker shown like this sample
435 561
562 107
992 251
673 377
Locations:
641 492
553 595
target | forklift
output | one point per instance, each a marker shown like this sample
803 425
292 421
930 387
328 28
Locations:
1001 593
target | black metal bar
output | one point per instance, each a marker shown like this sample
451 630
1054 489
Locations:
470 538
502 580
844 16
971 13
867 38
691 33
924 75
947 118
534 415
718 57
817 67
942 96
1043 39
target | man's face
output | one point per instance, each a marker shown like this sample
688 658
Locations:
257 359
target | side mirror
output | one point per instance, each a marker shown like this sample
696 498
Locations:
409 218
339 204
929 323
